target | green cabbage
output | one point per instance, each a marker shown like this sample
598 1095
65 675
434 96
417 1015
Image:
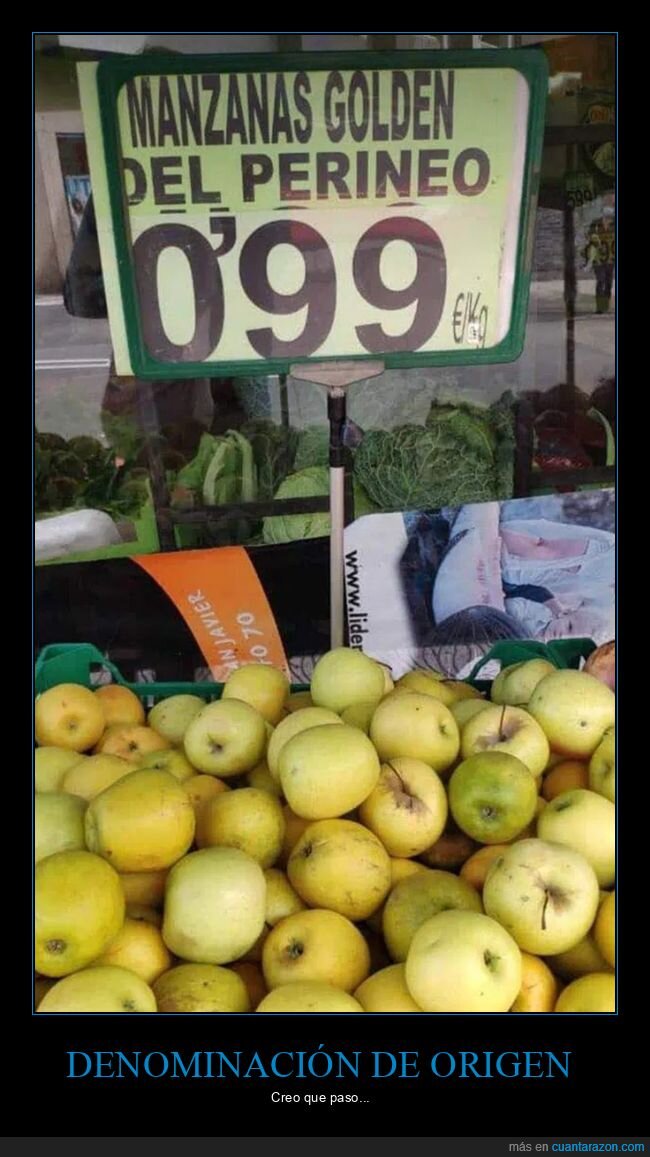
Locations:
463 454
313 447
274 447
312 482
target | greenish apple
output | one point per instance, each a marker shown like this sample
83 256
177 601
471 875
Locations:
492 797
545 895
463 962
586 822
172 761
418 897
344 676
58 823
515 684
226 738
172 717
51 765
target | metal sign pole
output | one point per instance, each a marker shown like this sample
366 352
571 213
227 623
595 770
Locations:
337 377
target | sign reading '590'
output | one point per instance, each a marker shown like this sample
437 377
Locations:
296 211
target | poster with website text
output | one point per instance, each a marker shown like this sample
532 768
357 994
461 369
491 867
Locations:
438 588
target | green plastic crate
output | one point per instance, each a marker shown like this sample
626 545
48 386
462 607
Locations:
74 662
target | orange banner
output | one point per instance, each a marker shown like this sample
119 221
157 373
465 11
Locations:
220 596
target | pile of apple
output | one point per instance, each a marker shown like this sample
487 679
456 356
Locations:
364 846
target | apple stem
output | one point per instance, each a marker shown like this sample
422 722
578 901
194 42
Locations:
396 772
547 897
502 736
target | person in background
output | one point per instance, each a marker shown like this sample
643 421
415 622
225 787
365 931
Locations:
600 253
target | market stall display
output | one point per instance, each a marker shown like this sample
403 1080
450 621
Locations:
361 845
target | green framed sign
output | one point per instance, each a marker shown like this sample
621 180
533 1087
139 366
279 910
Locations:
259 211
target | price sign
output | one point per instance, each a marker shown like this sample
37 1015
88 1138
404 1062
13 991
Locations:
261 212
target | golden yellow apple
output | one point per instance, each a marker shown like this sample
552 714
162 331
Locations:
386 991
327 771
585 821
119 704
339 864
539 987
248 819
415 726
315 945
508 730
102 988
515 684
94 775
344 676
143 823
131 742
203 787
425 683
463 961
401 869
139 947
226 738
595 992
265 688
407 810
298 721
574 710
281 899
79 907
68 716
308 996
567 774
201 988
215 901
